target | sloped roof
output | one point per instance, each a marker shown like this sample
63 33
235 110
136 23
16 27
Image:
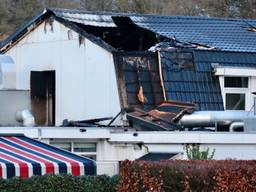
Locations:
200 85
196 85
219 33
153 156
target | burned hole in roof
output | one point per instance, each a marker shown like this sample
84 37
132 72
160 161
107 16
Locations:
251 29
184 60
125 36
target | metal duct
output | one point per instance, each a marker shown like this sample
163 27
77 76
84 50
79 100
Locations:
235 125
213 118
7 72
25 117
254 105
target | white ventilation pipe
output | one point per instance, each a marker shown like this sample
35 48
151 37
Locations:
254 105
211 118
233 126
25 117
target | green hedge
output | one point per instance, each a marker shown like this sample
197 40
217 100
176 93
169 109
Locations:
61 183
180 175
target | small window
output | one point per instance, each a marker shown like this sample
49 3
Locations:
64 146
236 82
235 101
93 157
84 147
185 60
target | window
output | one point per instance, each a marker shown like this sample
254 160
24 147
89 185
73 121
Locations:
235 101
85 149
236 92
236 82
62 145
184 59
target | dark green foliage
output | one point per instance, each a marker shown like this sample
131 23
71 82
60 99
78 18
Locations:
61 183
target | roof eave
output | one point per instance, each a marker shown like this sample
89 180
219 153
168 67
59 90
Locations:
29 26
24 30
98 41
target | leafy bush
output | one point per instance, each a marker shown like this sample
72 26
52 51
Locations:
193 152
179 175
61 183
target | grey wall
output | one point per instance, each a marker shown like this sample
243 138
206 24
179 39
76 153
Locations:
10 102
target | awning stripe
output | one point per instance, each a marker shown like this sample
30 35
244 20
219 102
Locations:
32 158
87 164
21 168
8 168
1 171
74 165
24 157
41 155
34 165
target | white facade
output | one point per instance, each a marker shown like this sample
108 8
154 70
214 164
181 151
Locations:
86 84
113 145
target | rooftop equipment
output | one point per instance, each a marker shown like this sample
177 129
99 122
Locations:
215 118
25 117
7 72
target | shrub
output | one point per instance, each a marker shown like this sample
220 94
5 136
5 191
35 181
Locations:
180 175
61 183
193 152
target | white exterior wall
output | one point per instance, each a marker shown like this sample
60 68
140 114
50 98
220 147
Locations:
114 146
86 84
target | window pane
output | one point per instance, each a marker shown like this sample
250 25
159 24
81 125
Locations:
235 101
84 147
236 82
65 146
90 156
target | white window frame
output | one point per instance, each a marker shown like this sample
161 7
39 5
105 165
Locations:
223 72
72 142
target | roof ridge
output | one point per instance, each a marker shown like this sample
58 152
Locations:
115 13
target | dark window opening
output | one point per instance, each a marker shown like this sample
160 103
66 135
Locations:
185 60
42 92
126 36
236 82
235 101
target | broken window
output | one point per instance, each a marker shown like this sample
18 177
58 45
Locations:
235 101
236 82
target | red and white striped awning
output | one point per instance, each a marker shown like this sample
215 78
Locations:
24 157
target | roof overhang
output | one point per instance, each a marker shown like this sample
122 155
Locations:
28 27
235 71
